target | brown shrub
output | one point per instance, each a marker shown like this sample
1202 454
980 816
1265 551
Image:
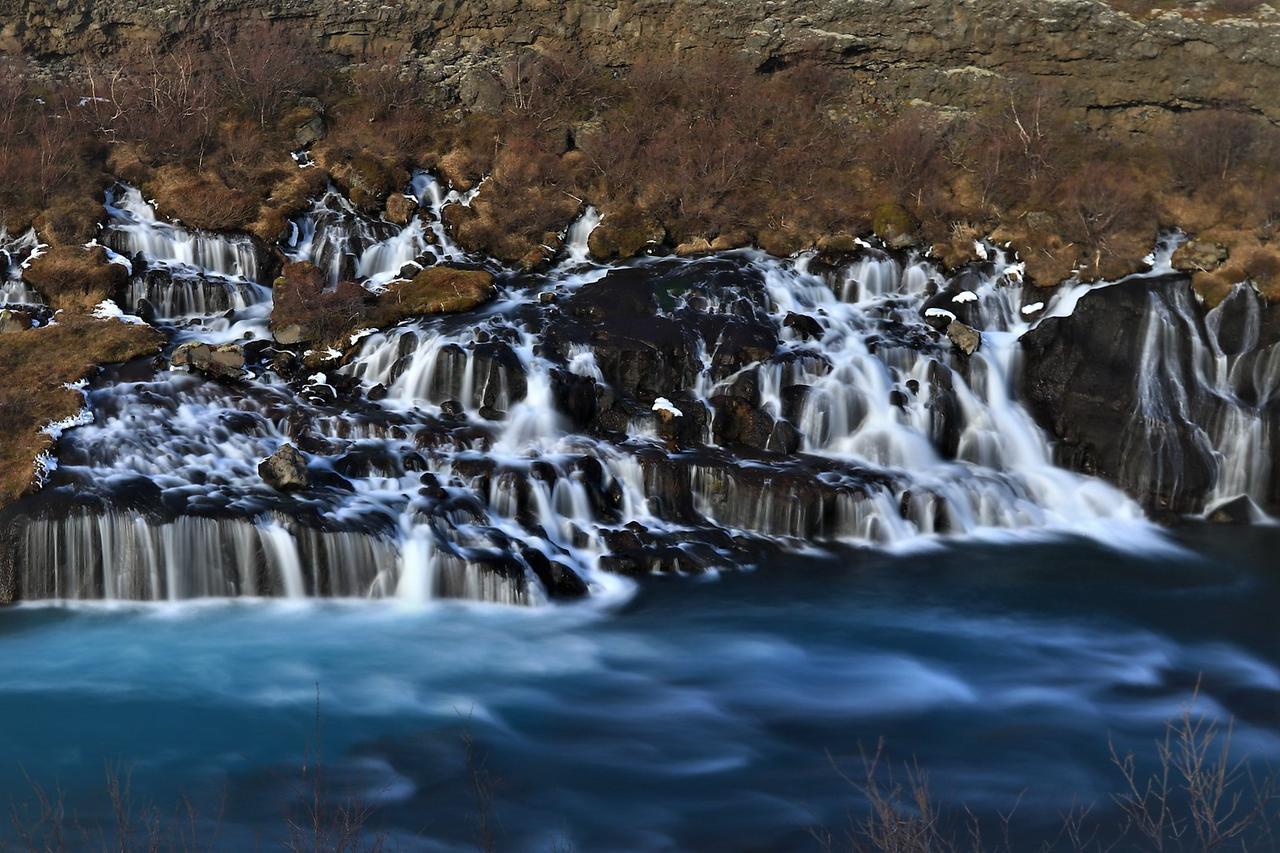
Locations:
304 310
75 278
201 200
266 67
1212 146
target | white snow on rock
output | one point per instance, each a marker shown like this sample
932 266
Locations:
662 404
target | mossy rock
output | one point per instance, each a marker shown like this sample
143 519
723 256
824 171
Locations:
783 242
895 225
70 220
400 208
625 234
1200 256
367 180
435 290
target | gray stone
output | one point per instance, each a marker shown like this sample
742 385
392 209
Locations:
964 338
286 469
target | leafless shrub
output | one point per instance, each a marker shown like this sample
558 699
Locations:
267 67
1212 146
1199 796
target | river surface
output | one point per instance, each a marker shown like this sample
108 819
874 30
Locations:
688 713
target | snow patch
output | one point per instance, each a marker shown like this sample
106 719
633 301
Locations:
662 404
965 296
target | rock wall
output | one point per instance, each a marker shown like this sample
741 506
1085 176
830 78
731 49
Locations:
1112 65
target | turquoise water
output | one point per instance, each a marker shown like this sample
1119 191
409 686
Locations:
693 714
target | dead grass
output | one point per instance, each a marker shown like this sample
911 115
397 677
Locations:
39 363
74 278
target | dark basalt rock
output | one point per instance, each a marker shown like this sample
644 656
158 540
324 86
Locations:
1080 379
805 326
738 422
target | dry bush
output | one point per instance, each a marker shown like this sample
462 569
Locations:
907 154
301 298
1101 199
266 67
167 102
391 104
1212 147
709 146
44 150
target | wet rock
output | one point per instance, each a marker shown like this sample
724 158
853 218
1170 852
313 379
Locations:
14 321
737 422
964 338
452 409
435 290
400 208
806 327
285 470
1238 510
560 581
220 362
1080 380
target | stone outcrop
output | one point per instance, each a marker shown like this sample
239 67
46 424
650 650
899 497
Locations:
959 54
286 469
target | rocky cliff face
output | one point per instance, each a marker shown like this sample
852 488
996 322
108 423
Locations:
1115 67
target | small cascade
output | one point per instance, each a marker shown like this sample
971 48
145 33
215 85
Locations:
1204 387
433 196
575 249
15 253
174 295
133 228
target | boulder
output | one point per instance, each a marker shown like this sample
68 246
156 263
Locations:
220 362
285 470
625 234
14 321
895 225
1237 510
964 338
434 290
738 422
400 208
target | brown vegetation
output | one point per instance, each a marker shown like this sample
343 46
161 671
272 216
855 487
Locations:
39 363
707 152
74 278
306 311
1192 794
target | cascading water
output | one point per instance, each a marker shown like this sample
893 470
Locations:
15 253
134 229
663 415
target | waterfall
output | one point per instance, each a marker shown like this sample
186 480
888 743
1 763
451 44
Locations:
133 228
659 415
575 239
